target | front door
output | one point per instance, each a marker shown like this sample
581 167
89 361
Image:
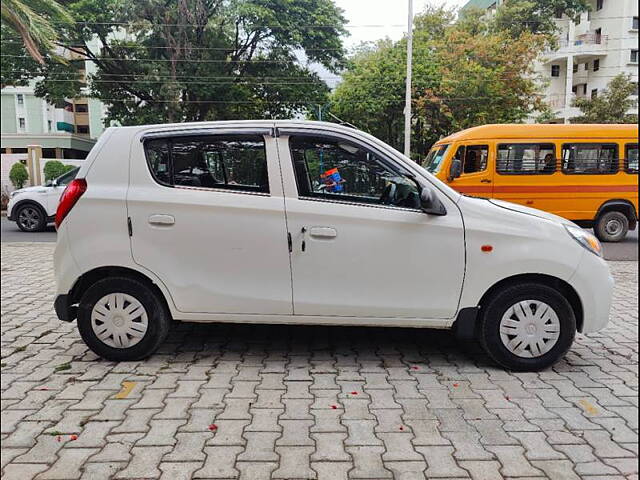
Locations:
207 217
476 176
361 247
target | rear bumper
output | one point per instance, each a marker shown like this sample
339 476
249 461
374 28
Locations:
64 311
594 284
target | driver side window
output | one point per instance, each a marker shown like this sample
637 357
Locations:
334 169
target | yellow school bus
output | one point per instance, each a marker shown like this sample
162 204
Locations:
585 173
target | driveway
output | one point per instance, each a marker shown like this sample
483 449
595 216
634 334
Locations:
283 402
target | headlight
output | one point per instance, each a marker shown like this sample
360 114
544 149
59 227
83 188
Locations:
586 239
14 193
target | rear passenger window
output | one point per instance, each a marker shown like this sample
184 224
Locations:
236 162
589 158
526 159
631 158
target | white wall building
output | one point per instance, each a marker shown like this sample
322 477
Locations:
601 45
591 51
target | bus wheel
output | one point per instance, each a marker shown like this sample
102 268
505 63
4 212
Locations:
611 226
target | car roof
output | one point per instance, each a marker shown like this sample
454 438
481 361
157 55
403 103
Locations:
544 131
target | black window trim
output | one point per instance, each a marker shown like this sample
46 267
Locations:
555 155
466 146
626 158
208 133
565 172
295 132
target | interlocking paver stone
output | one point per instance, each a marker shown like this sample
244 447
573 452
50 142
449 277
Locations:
265 402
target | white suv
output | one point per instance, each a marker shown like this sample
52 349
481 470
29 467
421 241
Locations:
32 208
309 223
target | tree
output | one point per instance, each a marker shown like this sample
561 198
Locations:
33 21
55 168
465 74
535 16
611 105
193 60
18 175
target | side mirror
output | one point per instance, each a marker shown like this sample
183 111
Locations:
430 203
54 183
455 170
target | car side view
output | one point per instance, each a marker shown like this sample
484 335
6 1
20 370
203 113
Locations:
32 208
310 223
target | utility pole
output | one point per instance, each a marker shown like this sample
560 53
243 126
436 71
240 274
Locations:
407 107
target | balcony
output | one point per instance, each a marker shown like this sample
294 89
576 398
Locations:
582 48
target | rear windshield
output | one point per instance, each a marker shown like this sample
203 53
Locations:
434 159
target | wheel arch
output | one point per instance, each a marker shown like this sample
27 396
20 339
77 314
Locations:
556 283
28 201
89 278
619 205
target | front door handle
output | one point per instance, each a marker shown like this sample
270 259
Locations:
162 220
485 180
323 232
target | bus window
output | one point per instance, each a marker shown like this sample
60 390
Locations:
631 158
475 159
589 158
526 159
434 159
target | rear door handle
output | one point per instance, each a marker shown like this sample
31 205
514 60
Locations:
162 220
323 232
485 180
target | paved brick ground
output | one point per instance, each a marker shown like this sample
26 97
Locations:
249 402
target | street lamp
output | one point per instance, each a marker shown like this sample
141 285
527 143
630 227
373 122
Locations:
407 107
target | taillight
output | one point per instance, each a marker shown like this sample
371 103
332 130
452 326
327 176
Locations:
69 197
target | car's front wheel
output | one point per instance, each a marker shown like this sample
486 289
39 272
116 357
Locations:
122 319
527 327
31 218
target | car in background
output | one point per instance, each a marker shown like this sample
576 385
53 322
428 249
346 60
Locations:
32 208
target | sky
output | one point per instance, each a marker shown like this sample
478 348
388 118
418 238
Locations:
389 17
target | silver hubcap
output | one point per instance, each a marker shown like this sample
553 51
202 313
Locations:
529 328
29 218
119 320
613 227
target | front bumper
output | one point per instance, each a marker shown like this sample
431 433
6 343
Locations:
594 283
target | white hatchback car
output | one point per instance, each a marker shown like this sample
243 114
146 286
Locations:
309 223
32 208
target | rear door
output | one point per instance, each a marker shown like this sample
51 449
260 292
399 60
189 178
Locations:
476 178
207 217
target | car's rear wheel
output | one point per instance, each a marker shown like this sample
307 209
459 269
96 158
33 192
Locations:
612 226
122 319
527 327
31 218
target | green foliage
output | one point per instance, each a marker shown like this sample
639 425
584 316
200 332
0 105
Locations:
18 175
194 60
535 16
611 105
54 168
465 74
33 21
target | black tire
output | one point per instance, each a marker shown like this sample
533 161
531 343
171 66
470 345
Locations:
30 218
159 319
611 226
497 305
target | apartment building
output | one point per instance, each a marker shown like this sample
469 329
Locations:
64 131
601 44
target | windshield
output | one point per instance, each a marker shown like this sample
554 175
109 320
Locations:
434 158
